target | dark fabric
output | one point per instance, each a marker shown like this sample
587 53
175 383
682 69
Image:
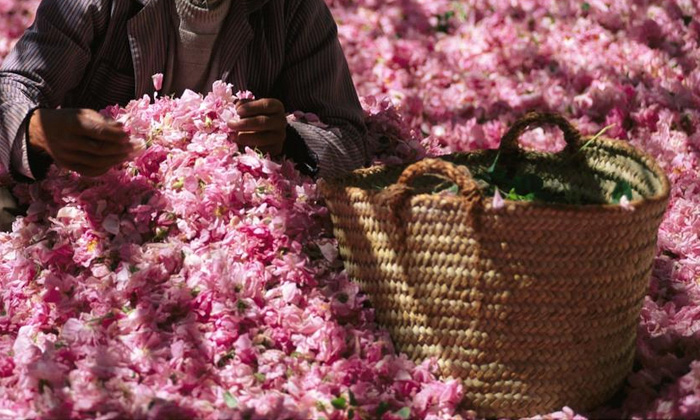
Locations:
296 149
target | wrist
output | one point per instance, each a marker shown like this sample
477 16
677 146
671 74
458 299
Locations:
36 143
32 128
37 156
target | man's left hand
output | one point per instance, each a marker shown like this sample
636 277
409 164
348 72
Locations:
263 125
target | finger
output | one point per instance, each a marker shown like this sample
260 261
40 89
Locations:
259 123
93 125
88 171
85 145
267 106
94 163
268 141
82 169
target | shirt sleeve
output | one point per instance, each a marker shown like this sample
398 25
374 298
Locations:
316 79
48 61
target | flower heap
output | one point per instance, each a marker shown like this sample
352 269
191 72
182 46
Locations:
198 280
15 17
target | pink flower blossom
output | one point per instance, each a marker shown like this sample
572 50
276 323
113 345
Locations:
498 201
157 81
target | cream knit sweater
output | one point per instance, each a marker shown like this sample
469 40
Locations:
192 61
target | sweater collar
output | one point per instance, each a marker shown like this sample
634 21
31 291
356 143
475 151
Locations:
249 6
200 20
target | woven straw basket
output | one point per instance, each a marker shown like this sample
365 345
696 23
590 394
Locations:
534 306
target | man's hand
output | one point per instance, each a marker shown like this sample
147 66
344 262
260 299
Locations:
262 125
81 140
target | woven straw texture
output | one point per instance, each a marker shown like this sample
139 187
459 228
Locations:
534 306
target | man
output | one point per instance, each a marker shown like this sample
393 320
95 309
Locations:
82 55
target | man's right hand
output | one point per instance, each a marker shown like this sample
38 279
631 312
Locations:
81 140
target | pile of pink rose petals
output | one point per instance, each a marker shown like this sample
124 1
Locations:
15 16
203 281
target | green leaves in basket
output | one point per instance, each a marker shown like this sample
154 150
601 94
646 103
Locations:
514 196
453 189
492 169
493 176
622 189
528 186
524 187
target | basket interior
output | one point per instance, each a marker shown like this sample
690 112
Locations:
589 175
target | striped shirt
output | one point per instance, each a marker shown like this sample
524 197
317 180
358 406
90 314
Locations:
94 53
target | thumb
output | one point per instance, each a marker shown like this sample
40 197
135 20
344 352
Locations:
94 125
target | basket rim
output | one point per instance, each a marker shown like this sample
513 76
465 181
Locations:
329 186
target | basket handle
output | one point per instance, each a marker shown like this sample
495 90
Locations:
509 142
459 175
395 196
